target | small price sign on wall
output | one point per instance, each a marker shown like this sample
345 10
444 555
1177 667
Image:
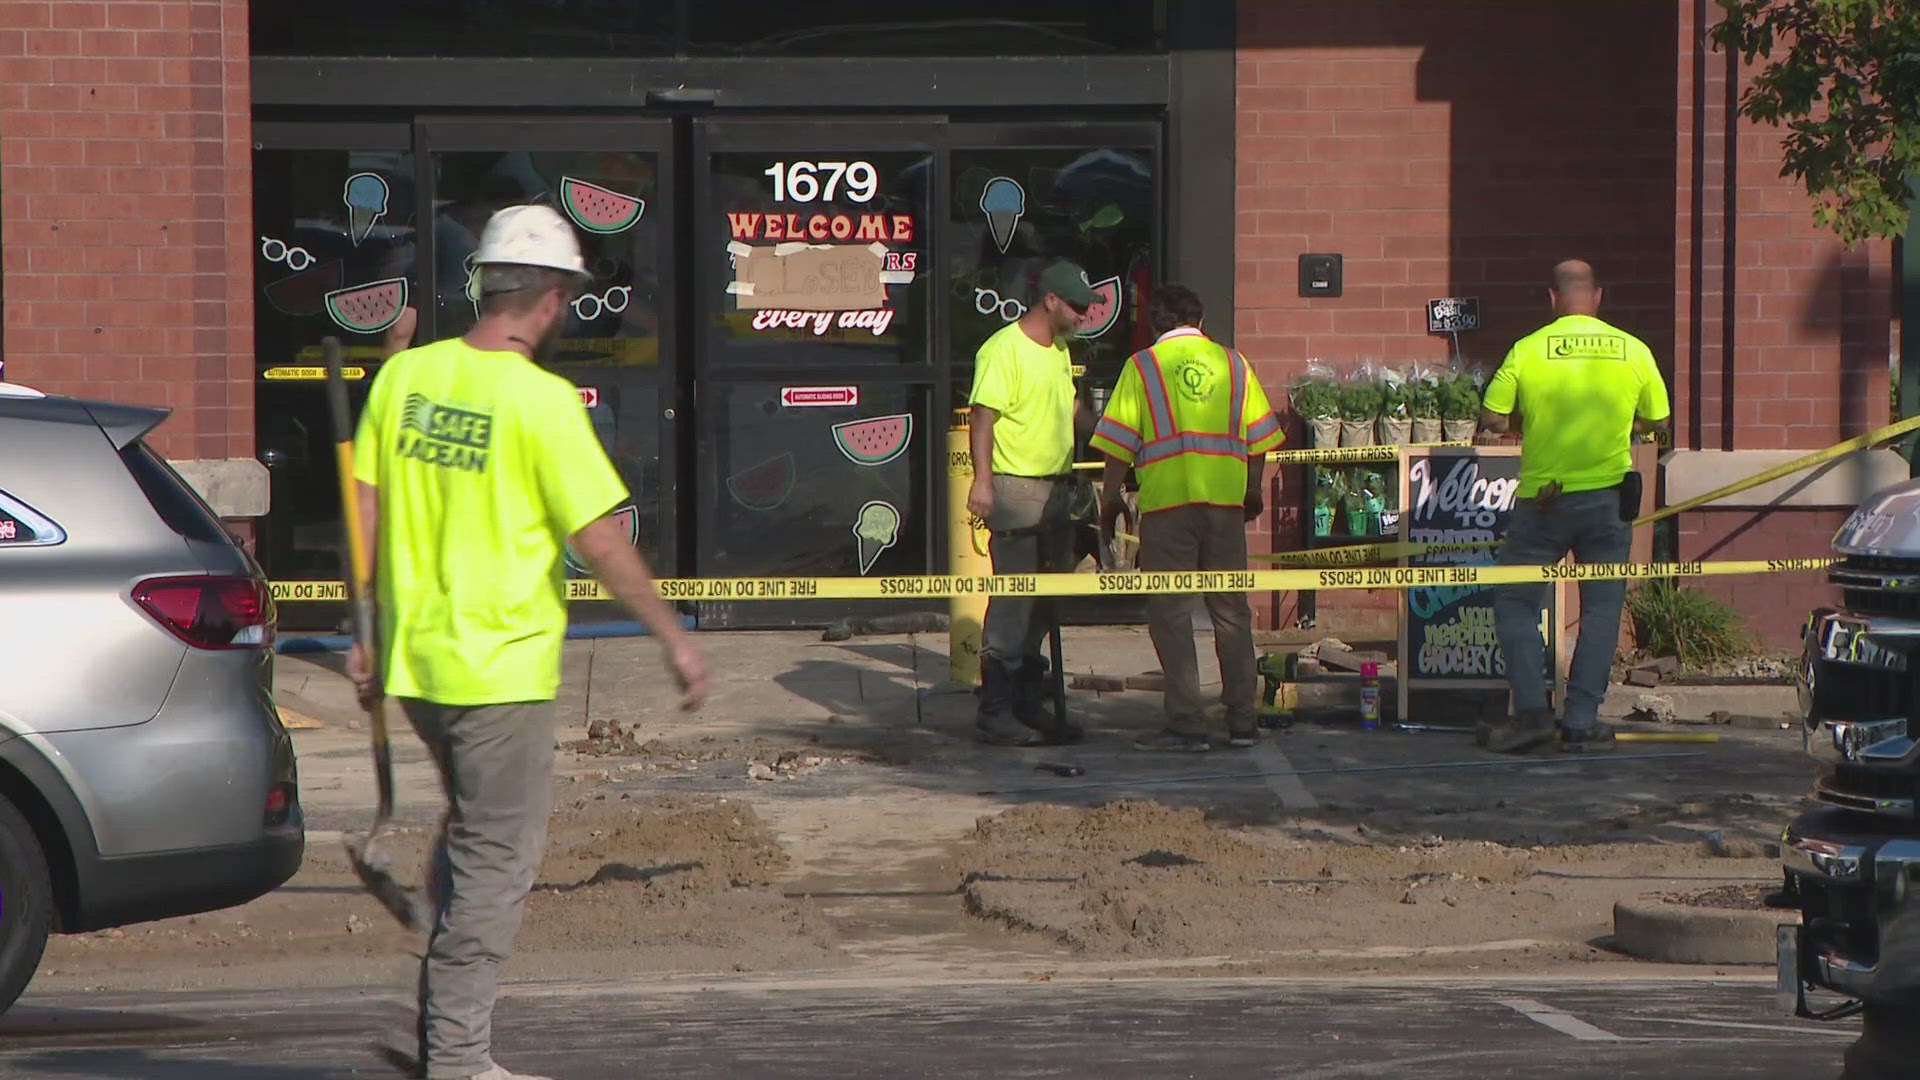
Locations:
1453 315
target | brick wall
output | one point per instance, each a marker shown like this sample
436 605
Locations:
124 158
1801 363
1454 149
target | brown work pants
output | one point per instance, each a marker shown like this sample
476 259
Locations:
1200 538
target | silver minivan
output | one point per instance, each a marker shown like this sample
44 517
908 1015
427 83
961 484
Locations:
144 772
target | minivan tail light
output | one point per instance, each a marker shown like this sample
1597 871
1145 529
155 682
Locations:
210 611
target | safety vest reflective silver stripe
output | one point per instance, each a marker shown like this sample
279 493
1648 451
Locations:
1175 445
1159 410
1118 434
1263 427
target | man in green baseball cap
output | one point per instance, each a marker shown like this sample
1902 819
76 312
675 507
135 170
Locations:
1021 435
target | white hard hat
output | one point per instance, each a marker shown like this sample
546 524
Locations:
531 236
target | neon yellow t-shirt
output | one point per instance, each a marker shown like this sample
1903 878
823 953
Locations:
1031 387
486 464
1578 383
1178 417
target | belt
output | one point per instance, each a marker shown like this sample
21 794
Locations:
1056 478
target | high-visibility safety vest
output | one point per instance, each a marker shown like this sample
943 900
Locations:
1186 414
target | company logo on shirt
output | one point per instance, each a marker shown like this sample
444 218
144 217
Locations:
444 436
1195 381
1586 347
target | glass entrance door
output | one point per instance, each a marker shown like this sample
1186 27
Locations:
613 180
820 402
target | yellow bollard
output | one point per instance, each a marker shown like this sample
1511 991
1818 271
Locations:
967 544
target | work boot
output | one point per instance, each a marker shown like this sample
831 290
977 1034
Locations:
498 1073
1033 686
996 724
1597 739
1517 735
1243 736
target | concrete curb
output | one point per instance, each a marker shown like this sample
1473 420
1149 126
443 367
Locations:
1678 934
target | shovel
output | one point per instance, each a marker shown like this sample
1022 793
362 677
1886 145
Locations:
364 852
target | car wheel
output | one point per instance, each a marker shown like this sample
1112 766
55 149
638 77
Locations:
26 904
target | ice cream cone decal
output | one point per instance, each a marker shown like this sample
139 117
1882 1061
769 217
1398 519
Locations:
366 197
1004 202
877 529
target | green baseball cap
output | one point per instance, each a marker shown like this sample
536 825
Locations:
1068 282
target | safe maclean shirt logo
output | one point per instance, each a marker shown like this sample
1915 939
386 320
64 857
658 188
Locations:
447 437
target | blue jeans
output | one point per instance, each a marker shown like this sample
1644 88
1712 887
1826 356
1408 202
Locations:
1586 523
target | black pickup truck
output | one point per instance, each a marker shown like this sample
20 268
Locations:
1852 864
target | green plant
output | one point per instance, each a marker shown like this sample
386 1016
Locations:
1425 404
1316 400
1687 624
1459 399
1841 77
1361 399
1397 399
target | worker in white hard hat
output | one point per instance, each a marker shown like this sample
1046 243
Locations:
475 468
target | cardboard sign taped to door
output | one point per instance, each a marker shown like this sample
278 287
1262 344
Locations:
808 277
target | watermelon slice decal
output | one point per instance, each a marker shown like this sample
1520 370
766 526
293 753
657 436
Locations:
368 309
876 441
1103 312
597 209
305 293
764 486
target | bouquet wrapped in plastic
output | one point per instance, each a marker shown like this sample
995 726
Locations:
1425 403
1361 398
1395 427
1460 404
1316 400
1326 497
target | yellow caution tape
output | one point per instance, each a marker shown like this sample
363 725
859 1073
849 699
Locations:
1358 554
1326 455
1818 457
946 586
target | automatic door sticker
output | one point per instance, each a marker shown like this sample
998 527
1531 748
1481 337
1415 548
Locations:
765 486
876 441
1004 202
628 520
366 197
597 209
877 530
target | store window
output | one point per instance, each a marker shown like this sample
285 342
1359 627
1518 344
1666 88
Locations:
334 251
1016 210
718 27
611 344
819 259
890 28
462 28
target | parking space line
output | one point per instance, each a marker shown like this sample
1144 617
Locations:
1563 1022
1293 794
1795 1029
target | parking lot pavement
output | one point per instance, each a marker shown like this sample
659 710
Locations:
808 1028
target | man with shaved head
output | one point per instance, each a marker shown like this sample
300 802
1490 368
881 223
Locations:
1584 389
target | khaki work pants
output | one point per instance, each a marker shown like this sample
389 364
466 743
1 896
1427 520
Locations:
1200 538
496 763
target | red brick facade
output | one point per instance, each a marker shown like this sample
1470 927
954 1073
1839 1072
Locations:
1460 149
124 170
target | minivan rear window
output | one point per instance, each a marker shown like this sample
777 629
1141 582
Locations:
173 498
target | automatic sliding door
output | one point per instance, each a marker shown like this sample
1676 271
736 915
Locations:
613 181
816 382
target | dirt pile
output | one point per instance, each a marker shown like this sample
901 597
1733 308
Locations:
1137 879
677 883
